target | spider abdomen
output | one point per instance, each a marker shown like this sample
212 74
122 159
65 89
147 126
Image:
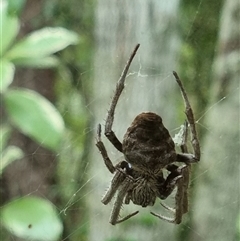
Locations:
147 144
142 193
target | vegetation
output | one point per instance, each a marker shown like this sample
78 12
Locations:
50 95
31 114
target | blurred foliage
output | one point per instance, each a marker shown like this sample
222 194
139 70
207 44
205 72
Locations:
73 90
74 93
121 239
9 153
238 228
199 30
30 112
20 104
32 218
15 7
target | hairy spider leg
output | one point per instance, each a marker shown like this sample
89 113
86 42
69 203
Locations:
187 170
194 141
190 118
171 181
181 198
110 116
180 207
184 171
103 151
117 179
185 156
121 182
123 189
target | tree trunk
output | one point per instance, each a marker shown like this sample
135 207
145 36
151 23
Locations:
217 200
149 87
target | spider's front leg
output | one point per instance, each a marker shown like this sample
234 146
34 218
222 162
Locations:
110 116
190 119
103 150
179 176
121 182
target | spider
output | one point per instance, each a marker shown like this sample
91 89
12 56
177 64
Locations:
148 149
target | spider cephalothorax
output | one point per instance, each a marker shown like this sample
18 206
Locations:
148 149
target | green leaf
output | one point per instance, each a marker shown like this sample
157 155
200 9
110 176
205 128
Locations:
42 43
9 27
35 116
40 63
7 70
5 132
10 154
32 218
15 7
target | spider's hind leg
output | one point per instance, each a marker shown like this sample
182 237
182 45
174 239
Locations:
117 180
122 191
181 199
167 186
121 173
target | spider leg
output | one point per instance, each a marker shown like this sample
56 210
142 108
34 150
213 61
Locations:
185 183
190 118
181 198
103 151
125 186
168 219
181 201
128 197
168 186
185 156
173 210
186 170
121 174
183 146
127 217
117 180
110 116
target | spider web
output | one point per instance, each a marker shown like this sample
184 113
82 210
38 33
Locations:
96 181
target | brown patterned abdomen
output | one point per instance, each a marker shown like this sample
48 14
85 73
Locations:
147 144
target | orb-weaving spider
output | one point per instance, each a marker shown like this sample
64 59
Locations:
148 149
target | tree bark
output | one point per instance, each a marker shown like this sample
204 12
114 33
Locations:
149 87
